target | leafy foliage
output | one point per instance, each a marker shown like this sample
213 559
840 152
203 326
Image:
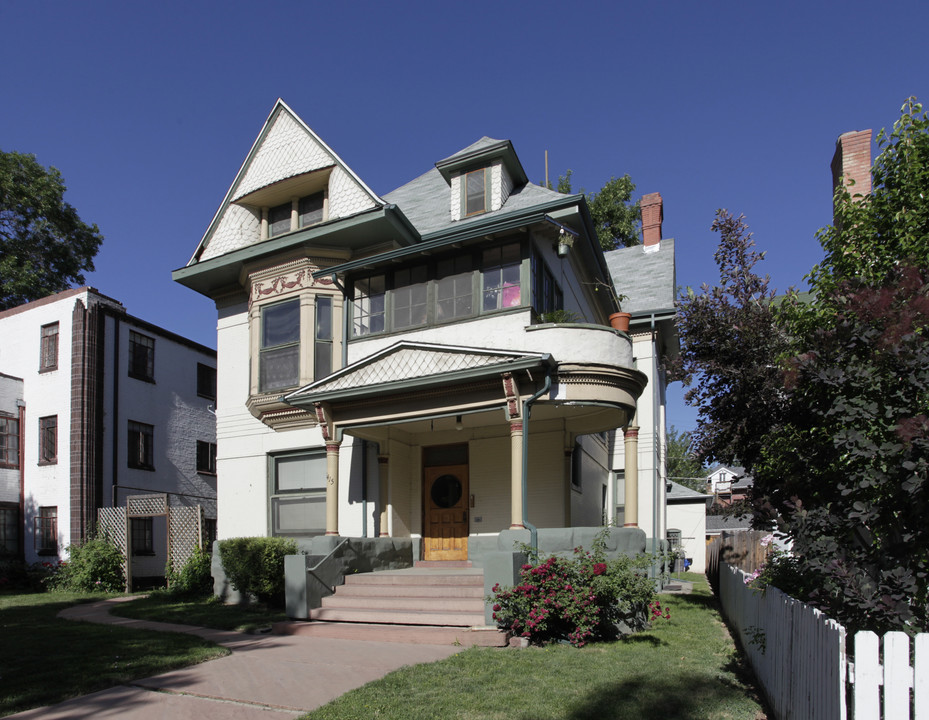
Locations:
838 444
730 344
683 466
578 599
44 245
255 566
194 579
615 218
96 565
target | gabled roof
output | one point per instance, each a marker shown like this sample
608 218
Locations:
285 148
679 494
413 365
484 150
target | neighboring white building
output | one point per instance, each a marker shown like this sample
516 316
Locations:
108 406
378 354
687 520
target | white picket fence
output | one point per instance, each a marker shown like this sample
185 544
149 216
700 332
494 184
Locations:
799 657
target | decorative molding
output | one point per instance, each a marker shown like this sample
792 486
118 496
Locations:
511 391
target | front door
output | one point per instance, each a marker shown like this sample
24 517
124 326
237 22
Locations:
446 530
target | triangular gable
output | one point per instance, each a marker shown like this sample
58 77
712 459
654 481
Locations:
285 148
411 361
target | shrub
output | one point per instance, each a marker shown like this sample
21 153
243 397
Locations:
581 598
255 566
96 565
194 579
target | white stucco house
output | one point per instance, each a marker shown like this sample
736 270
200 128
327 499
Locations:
386 364
96 406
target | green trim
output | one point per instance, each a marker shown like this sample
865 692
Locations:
493 223
308 397
502 150
223 271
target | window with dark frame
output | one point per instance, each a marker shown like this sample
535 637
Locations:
141 356
48 353
279 219
310 209
46 531
369 306
143 541
9 529
141 446
454 288
48 440
475 190
279 355
298 494
500 271
206 381
408 298
9 442
206 457
322 351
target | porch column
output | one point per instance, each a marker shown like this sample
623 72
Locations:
332 487
382 468
631 462
516 474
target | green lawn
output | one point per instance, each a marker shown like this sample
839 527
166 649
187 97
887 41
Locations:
44 660
685 669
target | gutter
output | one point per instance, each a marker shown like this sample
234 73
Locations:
527 411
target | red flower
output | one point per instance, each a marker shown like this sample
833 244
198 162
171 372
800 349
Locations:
599 568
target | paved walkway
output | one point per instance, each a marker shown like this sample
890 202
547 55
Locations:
267 677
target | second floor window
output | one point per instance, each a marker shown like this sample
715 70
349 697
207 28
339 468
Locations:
322 359
48 353
141 356
500 268
206 381
9 442
279 355
141 446
48 440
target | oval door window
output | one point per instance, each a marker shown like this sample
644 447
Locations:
446 491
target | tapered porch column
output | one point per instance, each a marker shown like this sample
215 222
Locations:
516 474
332 487
382 468
631 461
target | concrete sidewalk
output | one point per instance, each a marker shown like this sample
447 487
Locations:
266 677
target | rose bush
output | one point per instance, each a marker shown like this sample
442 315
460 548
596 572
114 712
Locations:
581 598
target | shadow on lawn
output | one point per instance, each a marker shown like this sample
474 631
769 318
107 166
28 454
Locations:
651 697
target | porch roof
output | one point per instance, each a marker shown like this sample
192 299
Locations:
408 365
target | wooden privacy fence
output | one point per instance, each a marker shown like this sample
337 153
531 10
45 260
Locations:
742 549
800 660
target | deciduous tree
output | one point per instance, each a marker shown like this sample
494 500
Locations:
44 245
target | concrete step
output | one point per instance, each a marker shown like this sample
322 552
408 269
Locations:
405 602
398 590
398 616
423 635
418 576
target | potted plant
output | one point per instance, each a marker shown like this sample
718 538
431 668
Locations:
618 320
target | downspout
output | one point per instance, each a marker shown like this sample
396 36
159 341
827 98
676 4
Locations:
364 488
114 422
533 530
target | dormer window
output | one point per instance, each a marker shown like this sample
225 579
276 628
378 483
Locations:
298 213
475 190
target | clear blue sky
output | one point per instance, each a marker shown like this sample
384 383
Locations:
148 109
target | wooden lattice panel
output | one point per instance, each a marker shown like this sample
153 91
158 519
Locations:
185 535
111 522
146 505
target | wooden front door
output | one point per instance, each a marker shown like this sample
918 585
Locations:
446 503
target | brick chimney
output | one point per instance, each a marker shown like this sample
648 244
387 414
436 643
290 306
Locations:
852 161
652 216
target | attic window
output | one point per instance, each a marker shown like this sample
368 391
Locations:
296 214
475 192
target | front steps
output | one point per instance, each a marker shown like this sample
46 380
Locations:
433 603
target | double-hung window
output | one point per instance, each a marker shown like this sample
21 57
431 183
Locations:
500 268
46 531
9 442
48 440
141 446
454 288
279 355
408 299
9 529
322 352
143 541
206 381
48 351
141 356
475 191
369 306
298 494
